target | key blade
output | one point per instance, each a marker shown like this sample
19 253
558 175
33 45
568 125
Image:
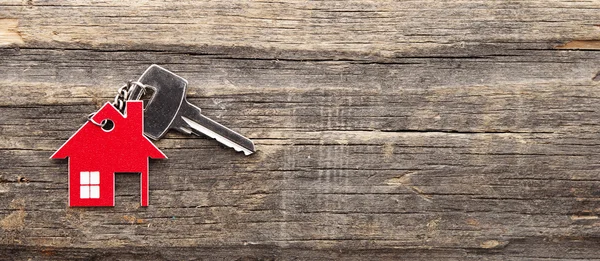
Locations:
202 124
201 128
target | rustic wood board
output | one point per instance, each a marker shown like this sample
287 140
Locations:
418 130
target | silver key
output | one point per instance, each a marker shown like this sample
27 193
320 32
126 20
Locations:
169 109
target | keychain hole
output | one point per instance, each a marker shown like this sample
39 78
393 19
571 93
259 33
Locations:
108 125
147 96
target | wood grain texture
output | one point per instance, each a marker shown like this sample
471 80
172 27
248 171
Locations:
417 130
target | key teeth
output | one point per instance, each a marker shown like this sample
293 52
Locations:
245 151
236 148
219 138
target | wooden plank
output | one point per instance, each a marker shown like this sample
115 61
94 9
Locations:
420 130
385 28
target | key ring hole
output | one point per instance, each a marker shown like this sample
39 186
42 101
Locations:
107 125
147 95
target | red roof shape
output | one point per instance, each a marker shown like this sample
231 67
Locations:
124 140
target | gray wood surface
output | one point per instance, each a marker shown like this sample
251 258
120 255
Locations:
416 130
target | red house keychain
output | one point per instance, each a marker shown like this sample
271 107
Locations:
97 151
113 139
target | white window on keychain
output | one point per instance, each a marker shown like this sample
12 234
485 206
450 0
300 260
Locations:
90 184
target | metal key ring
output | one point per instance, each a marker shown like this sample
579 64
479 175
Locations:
133 88
89 118
125 92
138 84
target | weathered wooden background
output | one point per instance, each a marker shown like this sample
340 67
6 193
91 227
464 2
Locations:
417 130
